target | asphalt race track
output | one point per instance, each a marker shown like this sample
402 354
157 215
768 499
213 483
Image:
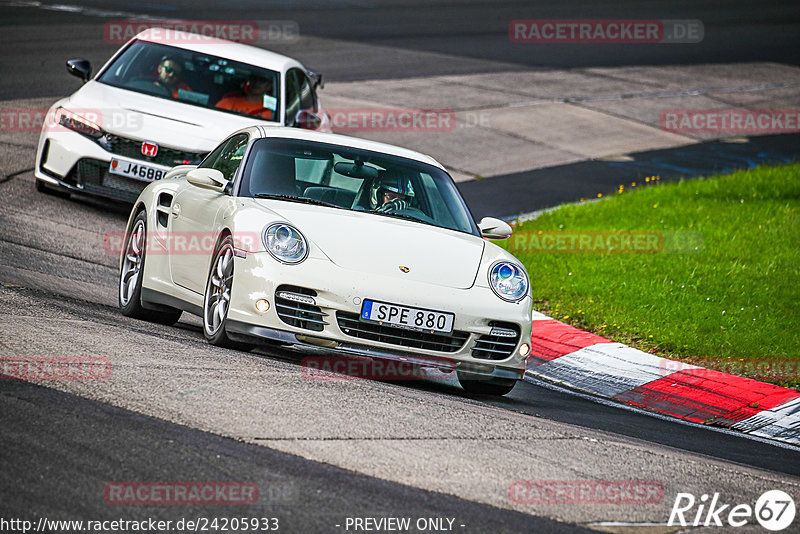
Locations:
404 38
320 452
551 186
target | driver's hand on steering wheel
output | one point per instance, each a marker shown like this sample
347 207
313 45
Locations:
392 206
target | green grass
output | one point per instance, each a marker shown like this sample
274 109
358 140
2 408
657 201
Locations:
724 292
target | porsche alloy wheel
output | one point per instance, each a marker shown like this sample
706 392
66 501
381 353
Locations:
132 263
131 274
218 297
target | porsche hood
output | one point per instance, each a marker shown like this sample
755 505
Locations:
405 250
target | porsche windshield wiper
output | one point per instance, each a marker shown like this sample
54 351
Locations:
290 198
399 216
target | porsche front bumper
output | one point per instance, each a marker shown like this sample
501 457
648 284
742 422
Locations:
337 295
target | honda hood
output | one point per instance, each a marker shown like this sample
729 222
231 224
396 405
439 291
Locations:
149 118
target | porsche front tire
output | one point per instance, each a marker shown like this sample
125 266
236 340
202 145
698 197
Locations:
131 274
218 296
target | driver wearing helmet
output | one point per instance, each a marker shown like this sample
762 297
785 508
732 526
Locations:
394 194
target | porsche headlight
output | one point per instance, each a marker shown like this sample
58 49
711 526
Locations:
508 281
79 124
285 243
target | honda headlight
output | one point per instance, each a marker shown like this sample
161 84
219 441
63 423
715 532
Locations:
285 243
508 281
79 124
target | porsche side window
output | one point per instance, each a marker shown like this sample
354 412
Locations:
227 157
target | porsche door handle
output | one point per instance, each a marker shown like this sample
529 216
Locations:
176 210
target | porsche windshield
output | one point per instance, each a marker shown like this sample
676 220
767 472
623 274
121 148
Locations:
354 179
196 79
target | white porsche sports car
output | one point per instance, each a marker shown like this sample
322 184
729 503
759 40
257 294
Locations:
320 240
159 103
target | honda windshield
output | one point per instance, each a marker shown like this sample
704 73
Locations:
196 79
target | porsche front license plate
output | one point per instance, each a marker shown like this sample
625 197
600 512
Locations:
406 317
134 169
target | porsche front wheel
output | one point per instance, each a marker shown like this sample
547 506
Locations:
131 273
218 297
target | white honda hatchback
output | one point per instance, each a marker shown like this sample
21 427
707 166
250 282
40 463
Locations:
155 105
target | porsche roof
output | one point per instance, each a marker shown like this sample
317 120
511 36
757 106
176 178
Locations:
345 140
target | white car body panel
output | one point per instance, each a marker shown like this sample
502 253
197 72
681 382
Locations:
146 117
355 142
390 243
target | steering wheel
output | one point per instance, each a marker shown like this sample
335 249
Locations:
150 86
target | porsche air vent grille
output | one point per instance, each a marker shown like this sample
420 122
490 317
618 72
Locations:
292 310
350 324
498 345
131 148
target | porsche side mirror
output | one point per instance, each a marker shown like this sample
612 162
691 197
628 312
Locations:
179 170
207 179
492 228
316 79
82 68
